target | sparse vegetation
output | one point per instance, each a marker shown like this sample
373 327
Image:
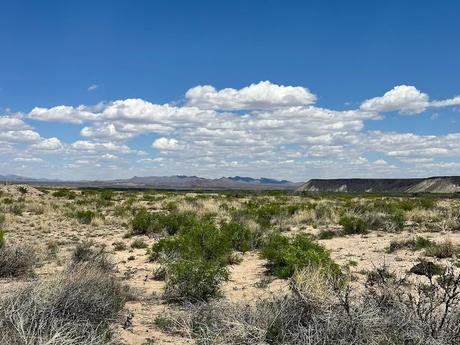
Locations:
234 267
317 312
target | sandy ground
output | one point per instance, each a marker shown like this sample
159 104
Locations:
248 281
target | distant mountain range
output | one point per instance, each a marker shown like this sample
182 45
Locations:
437 184
178 182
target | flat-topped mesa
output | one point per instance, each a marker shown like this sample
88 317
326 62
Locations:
438 184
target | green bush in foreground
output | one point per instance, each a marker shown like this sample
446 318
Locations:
286 255
194 280
194 261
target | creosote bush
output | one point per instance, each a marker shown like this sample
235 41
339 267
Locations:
194 260
194 280
353 225
147 223
286 255
85 216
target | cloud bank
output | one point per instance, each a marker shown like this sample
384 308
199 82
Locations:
263 129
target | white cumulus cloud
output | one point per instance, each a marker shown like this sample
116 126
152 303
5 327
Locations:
255 96
402 98
166 144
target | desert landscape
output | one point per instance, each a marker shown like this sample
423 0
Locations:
203 172
159 267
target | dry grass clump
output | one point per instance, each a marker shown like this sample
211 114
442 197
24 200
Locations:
317 312
15 259
75 307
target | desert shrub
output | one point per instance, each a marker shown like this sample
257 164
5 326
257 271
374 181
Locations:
442 250
194 280
65 193
119 246
139 244
106 195
286 255
16 208
316 312
265 212
353 225
159 273
241 237
16 259
194 261
85 216
145 223
412 244
87 252
327 234
204 240
22 190
175 222
75 307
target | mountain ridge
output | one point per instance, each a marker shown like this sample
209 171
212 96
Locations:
434 184
178 182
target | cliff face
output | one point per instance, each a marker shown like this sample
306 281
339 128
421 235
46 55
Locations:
443 184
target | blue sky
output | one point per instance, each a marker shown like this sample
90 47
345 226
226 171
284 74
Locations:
313 65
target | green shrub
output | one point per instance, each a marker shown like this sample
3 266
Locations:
204 240
194 260
22 190
353 225
85 216
175 222
194 280
327 234
241 237
286 255
65 193
142 223
412 244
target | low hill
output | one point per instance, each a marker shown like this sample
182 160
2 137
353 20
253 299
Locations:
439 184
